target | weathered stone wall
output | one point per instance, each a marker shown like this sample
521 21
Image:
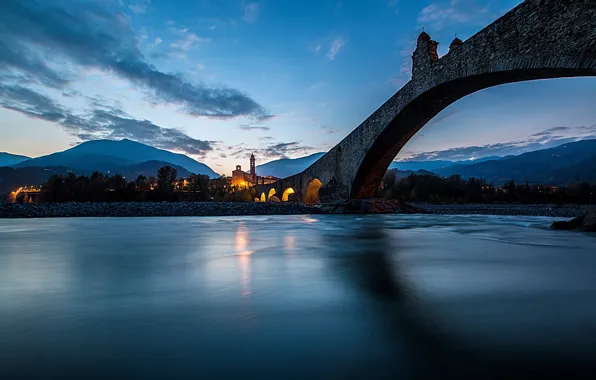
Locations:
537 39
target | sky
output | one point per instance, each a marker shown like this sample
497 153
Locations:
220 79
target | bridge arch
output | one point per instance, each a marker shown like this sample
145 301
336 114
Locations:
263 197
286 194
311 195
272 192
416 114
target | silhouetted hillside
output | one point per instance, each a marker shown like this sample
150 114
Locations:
8 159
104 155
555 166
11 178
286 167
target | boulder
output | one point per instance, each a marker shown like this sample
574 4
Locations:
585 223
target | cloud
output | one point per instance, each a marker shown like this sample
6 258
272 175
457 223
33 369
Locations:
548 138
274 150
336 45
138 8
266 117
249 127
393 5
107 122
251 12
188 41
438 16
88 35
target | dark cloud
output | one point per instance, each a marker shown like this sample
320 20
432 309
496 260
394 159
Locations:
30 103
548 138
560 131
251 127
88 34
266 117
106 123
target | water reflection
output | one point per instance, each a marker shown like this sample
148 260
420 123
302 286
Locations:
298 297
243 257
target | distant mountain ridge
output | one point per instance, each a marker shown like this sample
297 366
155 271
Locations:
9 159
112 155
286 167
567 163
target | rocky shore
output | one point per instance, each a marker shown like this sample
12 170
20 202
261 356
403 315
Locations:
144 209
134 209
557 211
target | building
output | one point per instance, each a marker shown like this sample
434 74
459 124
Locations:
242 179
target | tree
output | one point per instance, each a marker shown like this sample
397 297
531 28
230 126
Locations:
141 183
117 182
166 176
390 179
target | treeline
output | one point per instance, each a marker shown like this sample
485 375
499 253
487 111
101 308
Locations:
455 189
165 186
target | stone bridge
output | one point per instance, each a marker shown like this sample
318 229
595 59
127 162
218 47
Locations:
538 39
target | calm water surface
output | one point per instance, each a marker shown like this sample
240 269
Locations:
296 297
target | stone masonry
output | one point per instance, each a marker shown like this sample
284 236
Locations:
538 39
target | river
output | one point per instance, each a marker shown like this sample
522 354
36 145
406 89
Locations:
416 296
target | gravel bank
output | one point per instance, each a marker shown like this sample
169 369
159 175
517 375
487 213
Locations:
132 209
557 211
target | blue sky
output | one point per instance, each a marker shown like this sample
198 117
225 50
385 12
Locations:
218 80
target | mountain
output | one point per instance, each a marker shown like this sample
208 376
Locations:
286 167
420 165
104 155
7 159
561 165
436 165
289 166
147 169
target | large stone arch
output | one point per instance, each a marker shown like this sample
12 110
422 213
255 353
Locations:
422 109
538 39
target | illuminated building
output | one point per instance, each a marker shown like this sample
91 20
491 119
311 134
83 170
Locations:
242 179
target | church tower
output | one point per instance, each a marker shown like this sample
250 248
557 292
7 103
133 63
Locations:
253 170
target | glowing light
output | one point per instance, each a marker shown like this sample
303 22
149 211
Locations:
286 194
271 193
243 258
312 192
263 198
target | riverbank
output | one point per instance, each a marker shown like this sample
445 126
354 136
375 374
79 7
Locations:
145 209
557 211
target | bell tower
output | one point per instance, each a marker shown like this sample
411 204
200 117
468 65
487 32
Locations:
253 170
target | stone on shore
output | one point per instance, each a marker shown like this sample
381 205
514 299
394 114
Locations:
585 223
368 206
145 209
